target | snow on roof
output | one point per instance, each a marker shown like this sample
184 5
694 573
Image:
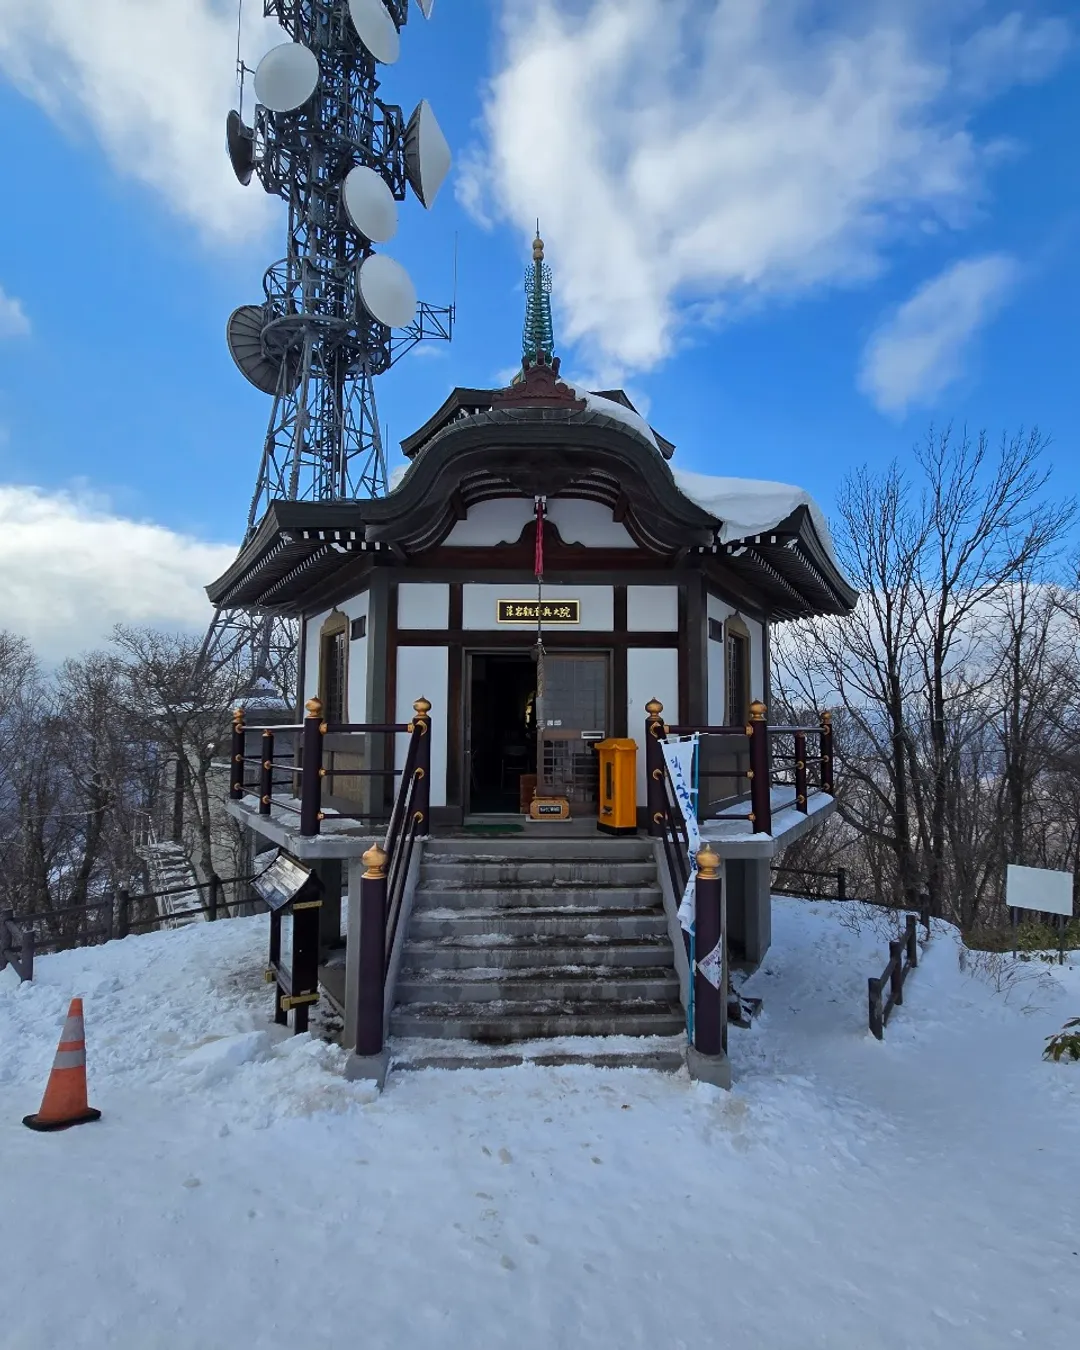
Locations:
606 407
749 506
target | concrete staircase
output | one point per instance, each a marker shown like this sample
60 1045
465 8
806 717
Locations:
546 943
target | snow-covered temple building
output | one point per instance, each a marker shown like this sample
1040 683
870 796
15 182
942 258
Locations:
658 584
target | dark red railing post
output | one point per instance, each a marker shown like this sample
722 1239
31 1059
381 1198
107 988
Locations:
266 777
710 996
760 788
372 961
236 775
655 792
311 769
421 727
826 741
800 771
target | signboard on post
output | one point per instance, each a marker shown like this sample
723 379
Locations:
1038 889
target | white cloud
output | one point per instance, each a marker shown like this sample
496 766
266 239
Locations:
13 320
1012 51
152 80
920 349
70 569
690 157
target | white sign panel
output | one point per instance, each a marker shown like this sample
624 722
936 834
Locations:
1039 889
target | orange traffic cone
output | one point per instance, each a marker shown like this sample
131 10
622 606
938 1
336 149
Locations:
64 1103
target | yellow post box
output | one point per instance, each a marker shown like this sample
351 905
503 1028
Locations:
618 786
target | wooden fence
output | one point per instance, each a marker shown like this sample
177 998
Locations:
16 946
903 958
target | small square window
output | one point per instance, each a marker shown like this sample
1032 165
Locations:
358 628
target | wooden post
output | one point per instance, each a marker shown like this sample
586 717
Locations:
311 770
800 772
123 912
760 795
896 972
372 963
6 916
109 926
655 793
26 953
877 1015
422 798
266 776
236 777
841 883
826 743
710 1000
911 940
213 897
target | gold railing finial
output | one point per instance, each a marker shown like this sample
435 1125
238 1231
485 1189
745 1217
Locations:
654 707
374 861
757 711
314 707
237 718
421 707
708 863
826 718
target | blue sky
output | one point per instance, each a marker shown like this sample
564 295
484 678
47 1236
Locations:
796 231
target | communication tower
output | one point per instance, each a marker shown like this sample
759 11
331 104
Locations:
334 314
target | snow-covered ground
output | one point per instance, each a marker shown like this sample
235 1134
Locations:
847 1195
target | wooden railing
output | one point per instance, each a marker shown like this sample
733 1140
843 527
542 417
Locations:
903 958
16 946
807 774
306 767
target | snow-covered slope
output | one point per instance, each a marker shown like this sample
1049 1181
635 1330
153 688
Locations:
239 1194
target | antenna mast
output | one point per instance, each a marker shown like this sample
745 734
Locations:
334 314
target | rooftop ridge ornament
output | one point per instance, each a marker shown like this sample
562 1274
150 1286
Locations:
538 336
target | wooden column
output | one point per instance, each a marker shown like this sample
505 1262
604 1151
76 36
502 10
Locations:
422 796
655 792
311 774
372 965
710 1000
760 796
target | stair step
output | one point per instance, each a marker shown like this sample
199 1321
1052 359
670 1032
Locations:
664 1054
598 924
488 873
503 1022
521 848
430 896
506 953
538 985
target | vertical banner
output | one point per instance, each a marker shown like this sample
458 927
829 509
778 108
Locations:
679 757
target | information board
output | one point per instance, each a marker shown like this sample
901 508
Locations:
280 883
1038 889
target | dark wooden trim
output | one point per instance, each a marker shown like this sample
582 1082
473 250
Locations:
455 712
554 639
694 657
301 664
456 617
619 609
620 722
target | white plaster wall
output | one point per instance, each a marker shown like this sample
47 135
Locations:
717 711
423 605
499 521
652 609
422 673
479 602
353 608
589 523
502 520
651 672
757 658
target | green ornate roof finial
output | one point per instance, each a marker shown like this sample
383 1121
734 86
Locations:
538 339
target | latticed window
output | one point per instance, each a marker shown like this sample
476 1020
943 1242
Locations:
333 668
737 679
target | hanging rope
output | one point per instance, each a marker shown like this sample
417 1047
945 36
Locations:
538 565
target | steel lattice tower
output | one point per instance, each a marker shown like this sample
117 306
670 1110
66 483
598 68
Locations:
313 344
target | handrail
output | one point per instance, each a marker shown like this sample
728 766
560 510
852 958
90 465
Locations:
758 735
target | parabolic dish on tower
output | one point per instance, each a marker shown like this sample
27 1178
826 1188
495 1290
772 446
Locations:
387 291
377 30
243 333
370 204
286 77
240 143
427 155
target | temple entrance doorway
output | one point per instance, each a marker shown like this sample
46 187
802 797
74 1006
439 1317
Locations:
501 740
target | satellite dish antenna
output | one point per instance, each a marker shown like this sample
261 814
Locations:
426 6
370 204
286 77
427 155
377 30
243 333
387 291
240 142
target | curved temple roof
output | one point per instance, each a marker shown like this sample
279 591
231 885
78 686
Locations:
544 437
